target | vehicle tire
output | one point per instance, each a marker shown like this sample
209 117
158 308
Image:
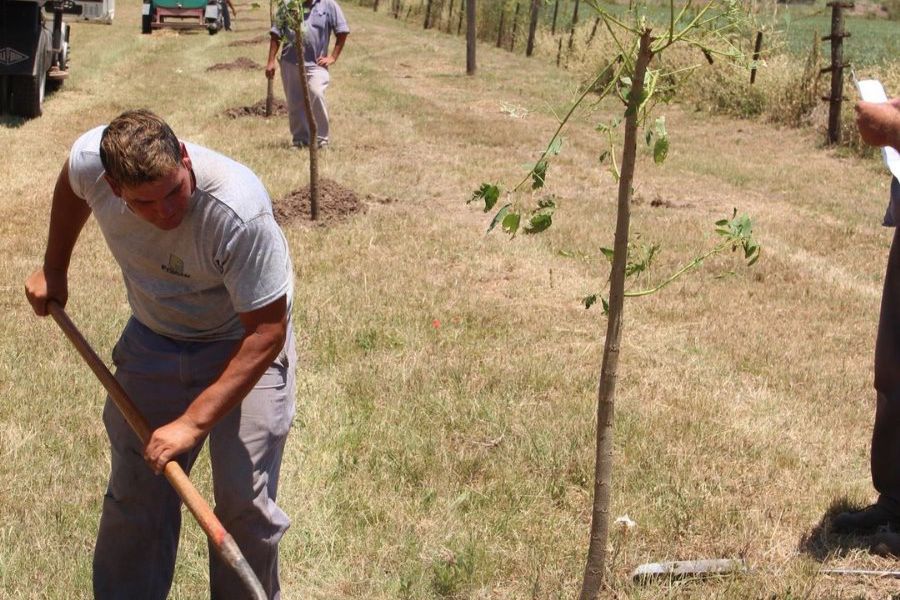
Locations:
146 21
28 93
62 63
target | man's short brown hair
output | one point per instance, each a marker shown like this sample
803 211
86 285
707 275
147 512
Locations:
138 147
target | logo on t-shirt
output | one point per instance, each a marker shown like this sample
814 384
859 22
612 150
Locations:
175 266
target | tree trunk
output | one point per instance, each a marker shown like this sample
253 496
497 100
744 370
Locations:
470 37
313 132
574 23
462 11
532 26
450 18
500 27
515 28
595 568
555 12
428 14
270 83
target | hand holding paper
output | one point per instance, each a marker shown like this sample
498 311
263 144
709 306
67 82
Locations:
879 121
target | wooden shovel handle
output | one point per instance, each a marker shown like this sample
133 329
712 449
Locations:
221 539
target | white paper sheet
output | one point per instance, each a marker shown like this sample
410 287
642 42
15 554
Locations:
871 90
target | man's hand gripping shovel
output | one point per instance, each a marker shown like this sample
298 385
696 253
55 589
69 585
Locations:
221 539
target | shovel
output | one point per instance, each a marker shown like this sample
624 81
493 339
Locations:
221 539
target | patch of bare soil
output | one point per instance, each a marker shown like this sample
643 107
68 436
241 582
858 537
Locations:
336 203
279 108
242 63
260 39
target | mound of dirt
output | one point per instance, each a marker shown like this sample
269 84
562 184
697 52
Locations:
260 39
243 63
336 203
279 108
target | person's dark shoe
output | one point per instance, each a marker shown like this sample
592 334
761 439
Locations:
871 519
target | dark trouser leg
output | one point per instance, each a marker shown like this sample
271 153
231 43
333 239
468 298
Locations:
886 432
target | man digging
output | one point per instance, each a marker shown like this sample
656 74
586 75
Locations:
207 353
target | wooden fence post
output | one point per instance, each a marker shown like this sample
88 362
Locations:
756 49
837 69
515 28
532 26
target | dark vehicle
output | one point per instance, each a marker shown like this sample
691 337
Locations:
34 52
182 14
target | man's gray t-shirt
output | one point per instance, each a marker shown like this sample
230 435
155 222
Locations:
227 256
325 17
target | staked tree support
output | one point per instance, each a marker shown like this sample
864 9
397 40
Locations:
836 68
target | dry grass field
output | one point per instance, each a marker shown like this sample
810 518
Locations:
444 439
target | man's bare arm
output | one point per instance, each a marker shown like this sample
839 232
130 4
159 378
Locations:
68 214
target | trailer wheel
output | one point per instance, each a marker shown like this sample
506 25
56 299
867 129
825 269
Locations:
28 94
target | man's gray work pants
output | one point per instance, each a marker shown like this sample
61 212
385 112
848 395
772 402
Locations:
318 79
135 554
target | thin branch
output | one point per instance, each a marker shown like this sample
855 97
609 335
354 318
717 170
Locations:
688 267
565 120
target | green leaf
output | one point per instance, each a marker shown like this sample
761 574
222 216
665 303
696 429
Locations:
487 192
501 214
539 174
605 304
609 253
589 301
511 222
661 148
555 146
539 222
604 155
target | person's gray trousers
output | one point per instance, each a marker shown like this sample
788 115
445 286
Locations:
318 79
885 457
134 558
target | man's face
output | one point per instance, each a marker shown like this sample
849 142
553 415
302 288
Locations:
163 202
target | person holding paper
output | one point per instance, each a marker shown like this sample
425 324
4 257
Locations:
879 122
879 125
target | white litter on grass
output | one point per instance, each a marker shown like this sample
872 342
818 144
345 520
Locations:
513 111
625 523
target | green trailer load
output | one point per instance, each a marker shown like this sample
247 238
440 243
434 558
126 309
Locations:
182 14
